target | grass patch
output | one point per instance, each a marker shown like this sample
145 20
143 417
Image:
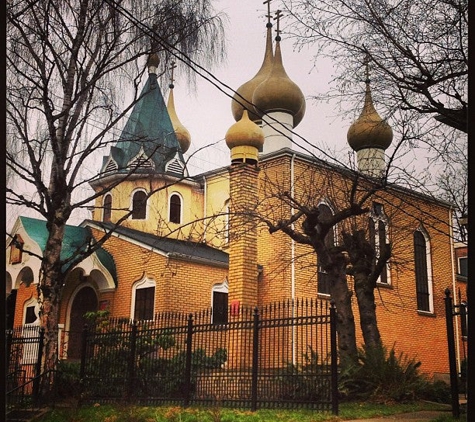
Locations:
120 413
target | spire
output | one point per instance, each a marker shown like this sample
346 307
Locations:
278 92
148 143
242 99
182 134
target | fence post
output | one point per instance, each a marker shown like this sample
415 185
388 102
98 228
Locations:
334 358
187 374
255 359
131 363
452 363
82 369
37 379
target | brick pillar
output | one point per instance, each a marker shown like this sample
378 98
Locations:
243 234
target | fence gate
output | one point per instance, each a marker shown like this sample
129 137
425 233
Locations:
24 347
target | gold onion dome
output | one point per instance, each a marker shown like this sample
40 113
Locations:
369 130
182 134
244 133
242 99
278 92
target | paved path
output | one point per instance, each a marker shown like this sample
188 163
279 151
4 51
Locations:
421 416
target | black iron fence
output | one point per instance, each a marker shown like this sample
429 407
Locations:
453 311
26 385
282 355
278 356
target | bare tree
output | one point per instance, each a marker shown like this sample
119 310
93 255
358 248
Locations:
418 53
351 226
67 63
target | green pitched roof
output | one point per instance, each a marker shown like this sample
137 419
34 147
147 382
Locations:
148 130
75 239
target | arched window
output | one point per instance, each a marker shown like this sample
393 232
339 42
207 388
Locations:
323 281
220 303
143 300
107 208
175 208
379 237
139 205
422 272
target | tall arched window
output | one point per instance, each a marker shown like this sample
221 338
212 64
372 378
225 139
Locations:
107 208
323 281
422 272
175 208
379 236
139 205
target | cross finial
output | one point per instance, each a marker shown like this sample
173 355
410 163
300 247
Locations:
278 15
366 63
172 77
269 15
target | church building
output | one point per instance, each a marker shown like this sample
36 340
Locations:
191 242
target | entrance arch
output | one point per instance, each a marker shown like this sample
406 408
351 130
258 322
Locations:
84 301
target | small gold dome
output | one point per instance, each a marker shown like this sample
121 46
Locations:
244 133
278 92
242 99
182 134
369 130
153 60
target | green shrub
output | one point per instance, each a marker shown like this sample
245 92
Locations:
68 382
437 391
382 376
306 381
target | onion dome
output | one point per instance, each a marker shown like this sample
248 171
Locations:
153 62
369 130
242 99
244 138
182 135
278 92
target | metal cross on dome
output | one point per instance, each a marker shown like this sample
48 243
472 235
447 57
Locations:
366 64
172 77
269 14
278 15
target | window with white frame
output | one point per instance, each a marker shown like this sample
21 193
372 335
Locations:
379 238
463 266
139 205
175 208
219 300
143 300
423 272
107 208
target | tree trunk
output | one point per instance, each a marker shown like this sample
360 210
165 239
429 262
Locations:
345 319
49 294
367 308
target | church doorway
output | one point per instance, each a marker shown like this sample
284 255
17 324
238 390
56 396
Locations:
84 301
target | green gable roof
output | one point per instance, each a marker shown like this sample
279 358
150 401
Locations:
75 239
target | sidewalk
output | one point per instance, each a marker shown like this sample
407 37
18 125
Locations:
422 416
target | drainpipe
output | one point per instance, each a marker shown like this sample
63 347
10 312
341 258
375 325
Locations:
292 254
205 221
